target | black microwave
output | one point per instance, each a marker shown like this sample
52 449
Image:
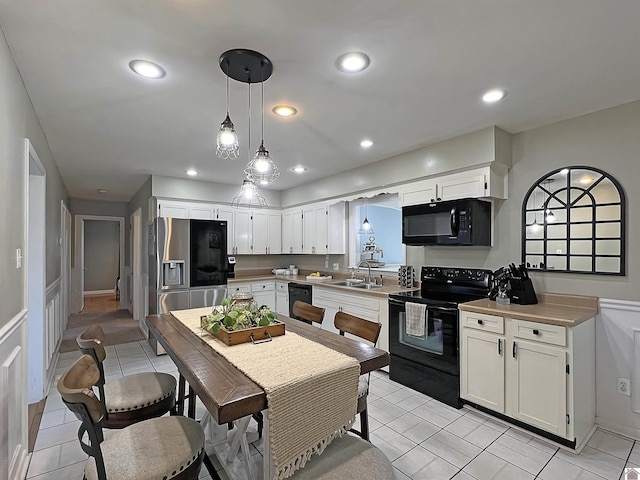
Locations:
454 222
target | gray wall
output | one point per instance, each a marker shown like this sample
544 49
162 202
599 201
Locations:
101 254
480 147
186 189
140 200
94 207
17 122
609 140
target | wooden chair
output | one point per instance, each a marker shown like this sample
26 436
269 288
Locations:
308 313
169 447
347 457
369 331
132 398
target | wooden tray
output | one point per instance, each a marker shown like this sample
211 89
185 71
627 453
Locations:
254 335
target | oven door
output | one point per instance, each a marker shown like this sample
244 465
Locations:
438 349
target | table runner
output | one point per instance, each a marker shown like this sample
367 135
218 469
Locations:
311 390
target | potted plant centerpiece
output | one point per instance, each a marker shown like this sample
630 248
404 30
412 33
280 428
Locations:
240 319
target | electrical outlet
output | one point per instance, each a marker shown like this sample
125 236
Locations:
624 386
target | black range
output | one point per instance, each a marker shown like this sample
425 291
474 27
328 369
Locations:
424 345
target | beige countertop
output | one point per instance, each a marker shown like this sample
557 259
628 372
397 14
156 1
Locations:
554 309
383 291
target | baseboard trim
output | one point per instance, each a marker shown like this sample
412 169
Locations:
618 429
99 292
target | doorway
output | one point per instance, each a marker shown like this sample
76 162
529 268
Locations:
100 261
35 260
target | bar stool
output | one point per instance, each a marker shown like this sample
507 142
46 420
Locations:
369 331
132 398
168 447
307 312
347 457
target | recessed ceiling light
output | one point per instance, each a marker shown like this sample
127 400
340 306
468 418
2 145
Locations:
366 143
103 191
192 172
147 69
299 169
285 110
494 95
352 62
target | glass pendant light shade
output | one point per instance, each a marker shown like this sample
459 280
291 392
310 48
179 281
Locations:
248 196
261 169
227 140
550 216
365 228
227 137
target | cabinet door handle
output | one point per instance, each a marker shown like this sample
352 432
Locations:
499 347
536 331
480 322
515 350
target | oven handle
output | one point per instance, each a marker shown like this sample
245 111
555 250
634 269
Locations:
401 303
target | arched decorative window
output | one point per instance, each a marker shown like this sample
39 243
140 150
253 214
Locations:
573 220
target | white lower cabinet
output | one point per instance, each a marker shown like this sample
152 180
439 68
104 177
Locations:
482 352
282 298
264 293
540 374
375 309
238 288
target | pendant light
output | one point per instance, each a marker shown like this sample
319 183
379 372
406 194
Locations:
261 169
249 196
549 216
535 227
366 227
227 140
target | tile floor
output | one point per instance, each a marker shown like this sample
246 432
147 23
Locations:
423 438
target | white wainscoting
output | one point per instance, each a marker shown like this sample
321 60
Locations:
54 326
13 398
618 356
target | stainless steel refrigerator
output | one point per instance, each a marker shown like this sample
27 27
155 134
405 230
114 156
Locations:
188 265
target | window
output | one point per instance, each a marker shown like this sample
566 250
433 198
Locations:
382 248
573 220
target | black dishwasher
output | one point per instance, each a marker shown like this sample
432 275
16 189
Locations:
298 291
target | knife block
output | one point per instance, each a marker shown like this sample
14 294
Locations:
522 291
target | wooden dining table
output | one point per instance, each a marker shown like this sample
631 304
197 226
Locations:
226 392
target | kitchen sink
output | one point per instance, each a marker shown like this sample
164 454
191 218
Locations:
361 285
366 286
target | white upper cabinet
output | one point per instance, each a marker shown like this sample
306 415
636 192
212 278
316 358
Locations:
292 230
314 222
171 209
267 228
227 213
482 182
243 231
324 228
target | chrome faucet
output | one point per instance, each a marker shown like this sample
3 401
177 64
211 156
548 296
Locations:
368 267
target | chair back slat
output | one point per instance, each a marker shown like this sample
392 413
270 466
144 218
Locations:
75 386
308 312
357 326
92 339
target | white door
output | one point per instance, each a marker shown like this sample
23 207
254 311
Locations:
275 232
260 232
482 369
243 234
539 386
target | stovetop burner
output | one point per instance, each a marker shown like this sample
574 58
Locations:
449 285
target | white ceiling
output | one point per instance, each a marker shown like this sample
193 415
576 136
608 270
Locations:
431 60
